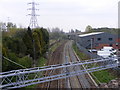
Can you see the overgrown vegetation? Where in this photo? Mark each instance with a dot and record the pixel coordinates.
(56, 37)
(81, 55)
(24, 46)
(41, 62)
(53, 48)
(104, 76)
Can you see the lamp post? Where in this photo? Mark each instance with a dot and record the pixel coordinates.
(34, 64)
(76, 41)
(91, 48)
(8, 21)
(91, 45)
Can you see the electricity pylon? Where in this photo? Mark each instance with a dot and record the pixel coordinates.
(33, 20)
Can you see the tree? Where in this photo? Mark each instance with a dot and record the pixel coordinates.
(36, 41)
(19, 45)
(28, 41)
(72, 31)
(11, 25)
(88, 28)
(3, 26)
(56, 33)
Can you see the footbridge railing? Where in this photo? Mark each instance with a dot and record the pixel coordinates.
(25, 77)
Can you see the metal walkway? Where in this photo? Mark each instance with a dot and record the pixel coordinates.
(25, 77)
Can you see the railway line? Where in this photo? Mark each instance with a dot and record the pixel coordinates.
(72, 82)
(64, 54)
(65, 70)
(55, 58)
(82, 81)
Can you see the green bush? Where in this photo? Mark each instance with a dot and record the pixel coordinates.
(25, 61)
(7, 65)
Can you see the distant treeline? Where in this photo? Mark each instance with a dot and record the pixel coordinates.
(23, 46)
(109, 30)
(115, 31)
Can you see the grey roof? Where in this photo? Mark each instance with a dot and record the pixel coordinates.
(94, 33)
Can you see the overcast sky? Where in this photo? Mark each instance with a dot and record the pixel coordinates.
(65, 14)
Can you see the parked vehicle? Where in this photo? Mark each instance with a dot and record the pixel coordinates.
(107, 52)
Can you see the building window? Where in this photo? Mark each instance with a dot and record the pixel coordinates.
(116, 44)
(99, 39)
(110, 39)
(96, 44)
(111, 45)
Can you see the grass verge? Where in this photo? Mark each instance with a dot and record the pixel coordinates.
(81, 55)
(103, 76)
(41, 62)
(53, 48)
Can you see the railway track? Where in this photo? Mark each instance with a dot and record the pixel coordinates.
(63, 54)
(89, 78)
(80, 81)
(55, 58)
(73, 82)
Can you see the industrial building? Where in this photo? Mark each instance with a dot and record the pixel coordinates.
(97, 40)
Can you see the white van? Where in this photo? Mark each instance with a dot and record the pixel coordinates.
(107, 52)
(107, 48)
(104, 54)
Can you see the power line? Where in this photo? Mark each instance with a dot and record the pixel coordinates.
(14, 62)
(33, 20)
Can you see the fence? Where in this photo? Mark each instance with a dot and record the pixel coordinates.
(84, 50)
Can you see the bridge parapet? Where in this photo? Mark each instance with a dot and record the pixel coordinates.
(25, 77)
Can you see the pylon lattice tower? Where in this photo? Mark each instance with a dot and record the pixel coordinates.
(33, 19)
